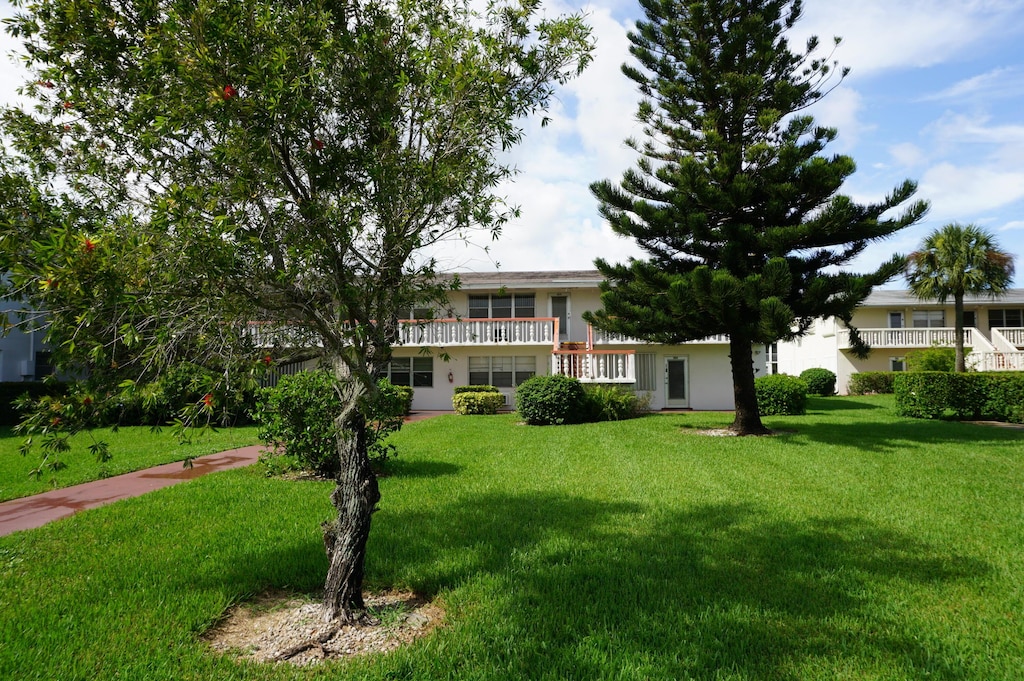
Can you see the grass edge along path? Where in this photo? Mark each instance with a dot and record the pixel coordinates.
(859, 545)
(133, 448)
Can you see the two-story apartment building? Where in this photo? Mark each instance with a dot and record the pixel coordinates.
(896, 322)
(509, 326)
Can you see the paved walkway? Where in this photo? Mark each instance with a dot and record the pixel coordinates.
(30, 512)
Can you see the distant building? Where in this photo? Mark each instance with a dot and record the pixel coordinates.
(895, 322)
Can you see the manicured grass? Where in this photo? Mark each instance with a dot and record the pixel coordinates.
(133, 448)
(858, 546)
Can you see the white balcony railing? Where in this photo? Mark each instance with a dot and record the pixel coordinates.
(917, 338)
(453, 332)
(608, 338)
(595, 366)
(1011, 337)
(996, 361)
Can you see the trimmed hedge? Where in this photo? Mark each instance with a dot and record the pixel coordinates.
(868, 382)
(780, 395)
(460, 389)
(551, 400)
(819, 381)
(481, 402)
(934, 394)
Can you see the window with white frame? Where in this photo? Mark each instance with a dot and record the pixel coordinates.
(1005, 317)
(772, 357)
(502, 306)
(646, 371)
(897, 364)
(929, 319)
(501, 372)
(417, 372)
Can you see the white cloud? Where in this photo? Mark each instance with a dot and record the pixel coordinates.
(906, 154)
(999, 83)
(964, 192)
(841, 109)
(880, 34)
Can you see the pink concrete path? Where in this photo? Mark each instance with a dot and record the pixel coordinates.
(30, 512)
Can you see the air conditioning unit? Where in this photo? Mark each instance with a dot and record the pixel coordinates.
(508, 399)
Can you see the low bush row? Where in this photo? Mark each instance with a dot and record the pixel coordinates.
(555, 400)
(934, 394)
(872, 382)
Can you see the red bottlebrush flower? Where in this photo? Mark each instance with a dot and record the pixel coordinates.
(69, 105)
(87, 400)
(55, 421)
(318, 144)
(45, 83)
(268, 360)
(208, 400)
(89, 245)
(230, 91)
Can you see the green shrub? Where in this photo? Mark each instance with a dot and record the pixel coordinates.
(934, 394)
(297, 417)
(780, 395)
(478, 402)
(613, 403)
(935, 358)
(551, 400)
(1004, 396)
(460, 389)
(819, 382)
(385, 413)
(872, 382)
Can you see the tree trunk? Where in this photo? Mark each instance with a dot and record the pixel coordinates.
(958, 324)
(355, 498)
(747, 420)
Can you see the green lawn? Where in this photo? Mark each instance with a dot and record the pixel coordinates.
(858, 546)
(133, 448)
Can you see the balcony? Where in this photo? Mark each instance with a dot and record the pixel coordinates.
(916, 338)
(595, 366)
(608, 338)
(463, 332)
(1008, 338)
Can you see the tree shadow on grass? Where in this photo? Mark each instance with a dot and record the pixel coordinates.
(890, 436)
(824, 405)
(584, 589)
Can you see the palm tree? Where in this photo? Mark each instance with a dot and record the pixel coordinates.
(956, 260)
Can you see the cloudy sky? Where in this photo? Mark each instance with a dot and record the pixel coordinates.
(935, 94)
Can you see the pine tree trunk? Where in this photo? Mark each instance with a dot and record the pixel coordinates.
(747, 420)
(355, 498)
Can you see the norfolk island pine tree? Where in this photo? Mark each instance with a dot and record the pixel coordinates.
(738, 210)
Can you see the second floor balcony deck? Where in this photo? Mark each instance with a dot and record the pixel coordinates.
(916, 338)
(457, 332)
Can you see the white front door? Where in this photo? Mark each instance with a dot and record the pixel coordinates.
(677, 382)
